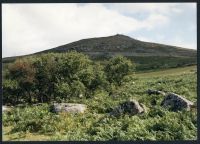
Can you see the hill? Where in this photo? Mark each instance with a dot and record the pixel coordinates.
(124, 45)
(147, 55)
(109, 92)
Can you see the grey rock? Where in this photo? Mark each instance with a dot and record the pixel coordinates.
(6, 108)
(38, 104)
(68, 107)
(156, 92)
(131, 107)
(176, 102)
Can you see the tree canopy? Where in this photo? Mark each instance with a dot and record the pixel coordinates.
(59, 76)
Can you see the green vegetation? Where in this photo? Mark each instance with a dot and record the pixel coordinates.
(117, 68)
(170, 71)
(56, 77)
(64, 77)
(162, 62)
(147, 56)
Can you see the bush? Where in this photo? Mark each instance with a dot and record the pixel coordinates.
(117, 68)
(32, 119)
(62, 90)
(78, 88)
(11, 91)
(47, 77)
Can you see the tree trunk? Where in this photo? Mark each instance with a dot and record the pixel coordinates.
(30, 98)
(17, 98)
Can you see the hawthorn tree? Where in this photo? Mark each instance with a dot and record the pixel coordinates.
(23, 72)
(46, 76)
(117, 68)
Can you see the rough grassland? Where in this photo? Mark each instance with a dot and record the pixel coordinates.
(96, 124)
(171, 71)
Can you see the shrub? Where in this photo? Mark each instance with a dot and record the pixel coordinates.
(11, 91)
(32, 119)
(117, 68)
(23, 72)
(51, 76)
(62, 90)
(78, 88)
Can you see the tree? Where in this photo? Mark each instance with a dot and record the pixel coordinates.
(78, 89)
(117, 68)
(74, 66)
(47, 76)
(62, 90)
(72, 63)
(100, 80)
(23, 72)
(11, 91)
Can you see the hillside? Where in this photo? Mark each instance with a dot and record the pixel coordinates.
(145, 54)
(68, 96)
(157, 124)
(124, 45)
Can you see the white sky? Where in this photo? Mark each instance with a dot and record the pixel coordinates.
(29, 28)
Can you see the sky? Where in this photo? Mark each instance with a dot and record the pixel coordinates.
(30, 28)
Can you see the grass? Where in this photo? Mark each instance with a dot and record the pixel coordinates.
(151, 63)
(157, 63)
(171, 71)
(22, 136)
(37, 123)
(143, 63)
